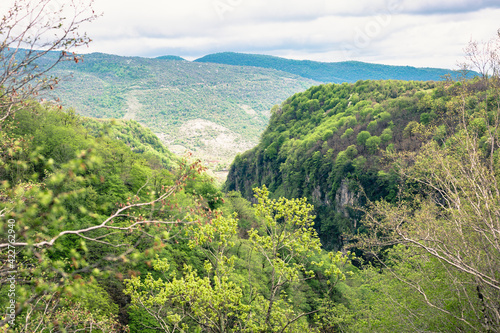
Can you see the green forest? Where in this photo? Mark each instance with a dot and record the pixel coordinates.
(109, 228)
(371, 206)
(405, 175)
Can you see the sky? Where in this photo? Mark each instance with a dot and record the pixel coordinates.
(421, 33)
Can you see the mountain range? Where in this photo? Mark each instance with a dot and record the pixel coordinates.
(335, 72)
(212, 110)
(215, 106)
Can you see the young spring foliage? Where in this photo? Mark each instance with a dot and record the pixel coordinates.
(223, 298)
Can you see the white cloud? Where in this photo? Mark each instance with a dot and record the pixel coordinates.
(404, 32)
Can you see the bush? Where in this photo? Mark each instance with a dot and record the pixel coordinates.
(362, 137)
(348, 132)
(386, 135)
(373, 143)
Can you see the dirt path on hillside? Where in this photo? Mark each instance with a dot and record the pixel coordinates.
(133, 106)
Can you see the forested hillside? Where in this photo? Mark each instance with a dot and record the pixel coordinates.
(334, 72)
(327, 141)
(103, 229)
(330, 142)
(213, 110)
(113, 234)
(108, 228)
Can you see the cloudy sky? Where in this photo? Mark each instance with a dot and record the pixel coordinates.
(422, 33)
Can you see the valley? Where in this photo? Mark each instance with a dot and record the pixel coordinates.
(365, 206)
(214, 110)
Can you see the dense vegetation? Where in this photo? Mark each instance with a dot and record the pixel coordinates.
(103, 230)
(408, 173)
(327, 141)
(335, 72)
(100, 214)
(227, 105)
(110, 237)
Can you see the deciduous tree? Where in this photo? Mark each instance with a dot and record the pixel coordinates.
(452, 210)
(285, 244)
(30, 30)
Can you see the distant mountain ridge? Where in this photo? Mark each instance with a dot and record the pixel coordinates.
(335, 72)
(170, 57)
(213, 109)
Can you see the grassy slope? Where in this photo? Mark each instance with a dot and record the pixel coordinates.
(215, 110)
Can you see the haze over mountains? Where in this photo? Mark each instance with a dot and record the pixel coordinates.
(215, 106)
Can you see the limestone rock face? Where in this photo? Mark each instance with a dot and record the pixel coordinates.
(345, 198)
(318, 196)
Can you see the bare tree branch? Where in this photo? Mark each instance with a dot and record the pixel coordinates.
(35, 37)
